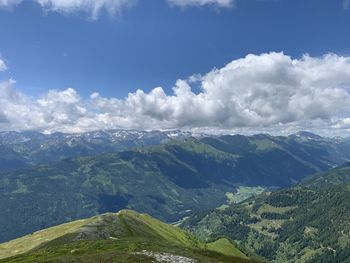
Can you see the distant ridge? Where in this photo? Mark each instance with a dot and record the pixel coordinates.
(308, 135)
(336, 176)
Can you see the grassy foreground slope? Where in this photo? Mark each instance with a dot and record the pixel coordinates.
(126, 236)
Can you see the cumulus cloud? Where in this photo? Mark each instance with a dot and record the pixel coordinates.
(266, 92)
(219, 3)
(3, 65)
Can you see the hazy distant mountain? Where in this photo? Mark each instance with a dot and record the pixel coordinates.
(21, 149)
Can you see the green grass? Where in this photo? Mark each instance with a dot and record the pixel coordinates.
(266, 208)
(29, 242)
(116, 251)
(265, 225)
(244, 192)
(265, 144)
(224, 246)
(115, 237)
(168, 232)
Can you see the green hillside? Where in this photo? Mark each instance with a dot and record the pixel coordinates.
(169, 181)
(300, 224)
(336, 176)
(125, 236)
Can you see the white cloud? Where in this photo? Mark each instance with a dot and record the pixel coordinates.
(342, 124)
(219, 3)
(3, 65)
(9, 3)
(267, 92)
(94, 7)
(91, 7)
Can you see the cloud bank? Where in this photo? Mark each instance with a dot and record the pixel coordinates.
(258, 92)
(94, 7)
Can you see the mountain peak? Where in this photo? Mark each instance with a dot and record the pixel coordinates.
(308, 135)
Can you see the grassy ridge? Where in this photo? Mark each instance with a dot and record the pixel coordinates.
(224, 246)
(121, 237)
(29, 242)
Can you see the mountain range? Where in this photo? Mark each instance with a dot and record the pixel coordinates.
(170, 180)
(273, 198)
(23, 149)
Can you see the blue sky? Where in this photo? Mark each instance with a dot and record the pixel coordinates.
(154, 43)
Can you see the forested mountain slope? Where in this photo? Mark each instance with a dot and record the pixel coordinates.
(169, 181)
(306, 223)
(23, 149)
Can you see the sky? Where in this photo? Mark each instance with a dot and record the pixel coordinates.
(274, 66)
